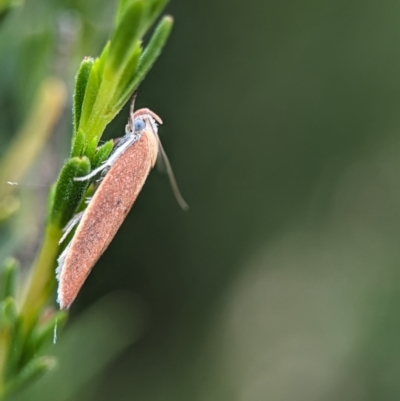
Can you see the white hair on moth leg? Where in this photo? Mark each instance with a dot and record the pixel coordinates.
(61, 260)
(124, 144)
(70, 225)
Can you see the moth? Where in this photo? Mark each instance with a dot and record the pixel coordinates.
(124, 174)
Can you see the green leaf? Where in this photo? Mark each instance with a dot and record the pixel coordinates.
(102, 59)
(122, 7)
(45, 332)
(102, 153)
(10, 341)
(149, 56)
(69, 193)
(154, 9)
(125, 37)
(92, 90)
(36, 368)
(127, 77)
(81, 81)
(8, 278)
(8, 313)
(115, 84)
(78, 144)
(91, 148)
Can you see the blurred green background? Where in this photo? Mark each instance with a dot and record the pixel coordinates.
(282, 281)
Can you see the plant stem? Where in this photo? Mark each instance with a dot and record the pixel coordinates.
(4, 341)
(42, 278)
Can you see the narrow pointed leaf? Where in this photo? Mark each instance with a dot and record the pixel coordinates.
(35, 369)
(92, 90)
(45, 332)
(125, 36)
(8, 313)
(122, 7)
(149, 56)
(154, 9)
(127, 75)
(8, 278)
(79, 144)
(91, 149)
(81, 82)
(69, 193)
(103, 59)
(102, 153)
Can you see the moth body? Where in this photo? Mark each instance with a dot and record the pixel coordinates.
(129, 165)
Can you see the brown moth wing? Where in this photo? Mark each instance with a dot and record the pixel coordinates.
(105, 214)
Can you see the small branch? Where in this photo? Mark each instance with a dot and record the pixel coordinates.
(41, 283)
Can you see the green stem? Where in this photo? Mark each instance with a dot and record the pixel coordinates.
(4, 341)
(42, 278)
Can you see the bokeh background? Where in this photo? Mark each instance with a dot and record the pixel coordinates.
(282, 281)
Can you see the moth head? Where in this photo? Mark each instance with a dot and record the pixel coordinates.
(145, 121)
(141, 120)
(139, 125)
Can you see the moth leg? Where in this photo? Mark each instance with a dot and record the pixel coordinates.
(60, 261)
(71, 224)
(120, 148)
(94, 172)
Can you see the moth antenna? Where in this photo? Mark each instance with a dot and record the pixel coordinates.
(144, 111)
(160, 164)
(131, 108)
(172, 180)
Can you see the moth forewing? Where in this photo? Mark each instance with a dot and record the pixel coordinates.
(106, 212)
